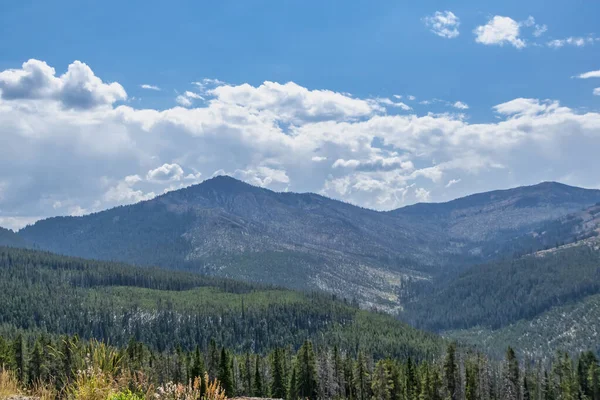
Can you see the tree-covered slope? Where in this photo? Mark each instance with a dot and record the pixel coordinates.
(574, 327)
(228, 228)
(11, 239)
(500, 293)
(43, 292)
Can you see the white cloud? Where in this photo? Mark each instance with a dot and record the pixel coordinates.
(411, 98)
(78, 88)
(452, 182)
(422, 195)
(166, 172)
(540, 30)
(572, 41)
(59, 160)
(187, 98)
(390, 103)
(444, 24)
(590, 74)
(597, 91)
(192, 95)
(460, 105)
(293, 103)
(183, 101)
(500, 31)
(150, 87)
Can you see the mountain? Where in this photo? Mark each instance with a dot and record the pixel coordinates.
(43, 293)
(11, 239)
(486, 216)
(228, 228)
(540, 302)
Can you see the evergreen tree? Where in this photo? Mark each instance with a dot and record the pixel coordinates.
(258, 390)
(36, 365)
(20, 353)
(381, 384)
(278, 389)
(471, 379)
(198, 370)
(307, 372)
(362, 384)
(248, 370)
(412, 384)
(547, 388)
(451, 372)
(292, 392)
(225, 374)
(511, 385)
(213, 359)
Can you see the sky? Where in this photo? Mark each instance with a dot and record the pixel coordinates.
(378, 103)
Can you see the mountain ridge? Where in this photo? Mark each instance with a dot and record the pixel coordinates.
(230, 228)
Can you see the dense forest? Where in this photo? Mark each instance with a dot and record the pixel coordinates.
(70, 367)
(503, 292)
(45, 293)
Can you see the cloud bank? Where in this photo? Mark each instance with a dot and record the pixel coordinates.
(68, 145)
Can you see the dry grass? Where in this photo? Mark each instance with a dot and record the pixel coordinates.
(8, 384)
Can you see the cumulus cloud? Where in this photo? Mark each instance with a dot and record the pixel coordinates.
(590, 74)
(150, 87)
(500, 31)
(293, 103)
(377, 163)
(422, 195)
(597, 91)
(443, 23)
(460, 105)
(76, 88)
(57, 160)
(166, 172)
(187, 98)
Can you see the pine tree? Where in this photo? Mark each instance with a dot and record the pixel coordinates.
(292, 392)
(547, 388)
(20, 353)
(278, 389)
(307, 372)
(198, 370)
(248, 370)
(471, 378)
(381, 384)
(258, 390)
(451, 372)
(213, 359)
(412, 385)
(225, 375)
(36, 366)
(362, 384)
(511, 385)
(338, 373)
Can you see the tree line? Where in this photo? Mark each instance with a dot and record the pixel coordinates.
(315, 373)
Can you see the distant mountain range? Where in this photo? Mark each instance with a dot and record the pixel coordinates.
(229, 228)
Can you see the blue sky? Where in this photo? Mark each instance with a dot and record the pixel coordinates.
(353, 63)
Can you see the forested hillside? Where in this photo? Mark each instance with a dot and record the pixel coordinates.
(499, 293)
(10, 238)
(573, 327)
(228, 228)
(539, 302)
(45, 293)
